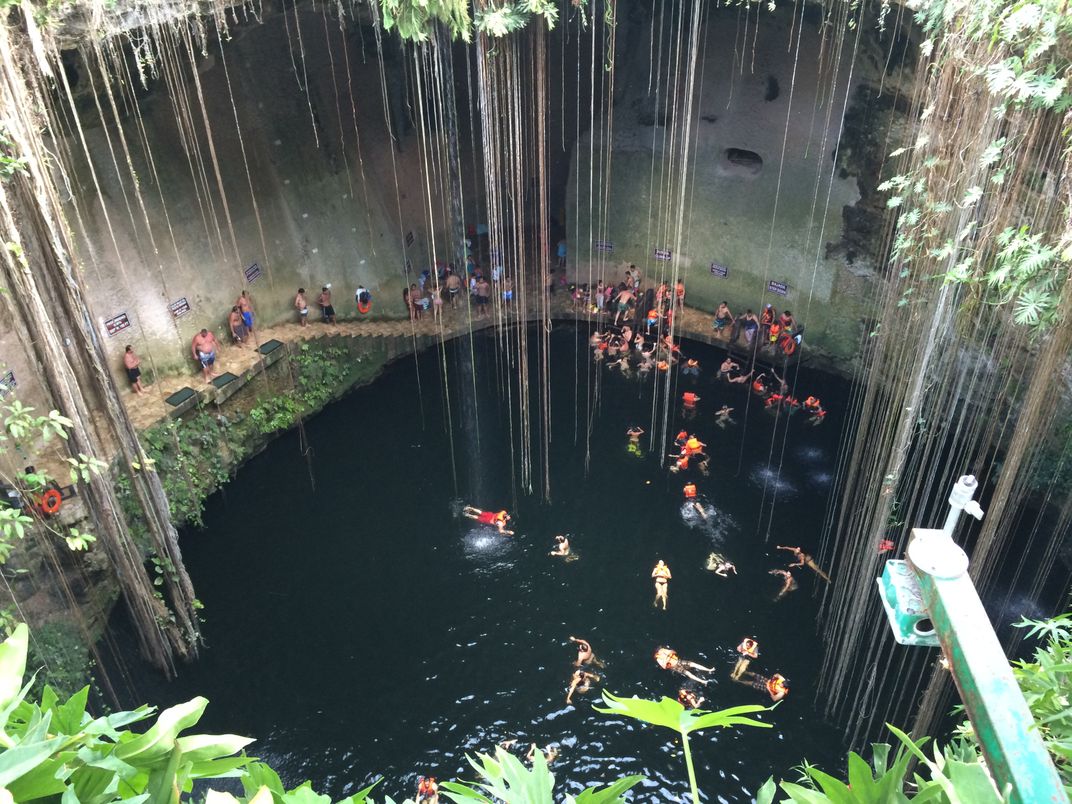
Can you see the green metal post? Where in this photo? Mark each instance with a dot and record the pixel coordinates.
(1007, 732)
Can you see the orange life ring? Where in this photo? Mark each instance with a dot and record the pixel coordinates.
(51, 502)
(364, 307)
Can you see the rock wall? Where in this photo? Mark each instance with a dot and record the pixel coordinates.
(758, 214)
(308, 123)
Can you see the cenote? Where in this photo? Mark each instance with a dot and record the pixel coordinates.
(363, 629)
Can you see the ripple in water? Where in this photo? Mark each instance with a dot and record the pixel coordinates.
(487, 549)
(770, 478)
(811, 455)
(716, 524)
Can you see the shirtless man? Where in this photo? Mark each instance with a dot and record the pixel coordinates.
(623, 300)
(723, 317)
(803, 559)
(131, 362)
(740, 378)
(204, 348)
(662, 576)
(561, 548)
(454, 287)
(581, 681)
(727, 367)
(327, 311)
(239, 331)
(668, 659)
(634, 434)
(245, 306)
(788, 586)
(302, 306)
(427, 790)
(585, 653)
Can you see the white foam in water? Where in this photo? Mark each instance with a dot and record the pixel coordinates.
(768, 477)
(487, 548)
(821, 479)
(810, 455)
(717, 525)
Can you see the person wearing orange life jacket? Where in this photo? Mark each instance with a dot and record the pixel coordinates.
(497, 519)
(693, 446)
(668, 659)
(749, 650)
(774, 332)
(690, 399)
(777, 686)
(758, 384)
(766, 318)
(787, 322)
(691, 367)
(690, 491)
(662, 576)
(689, 699)
(680, 439)
(773, 399)
(427, 790)
(651, 320)
(680, 463)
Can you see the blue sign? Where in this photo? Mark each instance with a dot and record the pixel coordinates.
(604, 245)
(663, 255)
(719, 270)
(253, 273)
(116, 324)
(179, 308)
(781, 288)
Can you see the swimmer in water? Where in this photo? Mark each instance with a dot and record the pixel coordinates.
(803, 559)
(690, 497)
(580, 681)
(720, 565)
(722, 415)
(561, 547)
(689, 699)
(704, 464)
(550, 754)
(740, 378)
(585, 655)
(777, 686)
(749, 650)
(668, 659)
(788, 586)
(427, 790)
(662, 576)
(728, 367)
(496, 518)
(634, 433)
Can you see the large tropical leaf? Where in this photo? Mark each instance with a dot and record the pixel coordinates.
(670, 714)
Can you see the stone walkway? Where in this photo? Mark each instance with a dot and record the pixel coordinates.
(150, 408)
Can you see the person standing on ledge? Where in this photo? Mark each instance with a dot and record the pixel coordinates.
(131, 362)
(245, 306)
(327, 312)
(204, 347)
(239, 331)
(562, 254)
(302, 306)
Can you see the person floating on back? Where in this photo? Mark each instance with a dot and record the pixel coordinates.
(803, 559)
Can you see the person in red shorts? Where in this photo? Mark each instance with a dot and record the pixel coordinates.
(496, 519)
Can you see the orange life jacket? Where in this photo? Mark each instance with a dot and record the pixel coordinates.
(682, 436)
(776, 686)
(692, 363)
(662, 365)
(427, 787)
(749, 648)
(690, 491)
(774, 330)
(689, 398)
(758, 386)
(811, 402)
(666, 658)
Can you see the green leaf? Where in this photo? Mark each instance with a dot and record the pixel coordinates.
(765, 794)
(13, 664)
(610, 794)
(158, 741)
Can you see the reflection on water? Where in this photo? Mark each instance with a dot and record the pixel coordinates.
(770, 479)
(714, 523)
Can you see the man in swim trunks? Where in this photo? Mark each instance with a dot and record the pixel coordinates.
(327, 311)
(584, 652)
(302, 306)
(454, 287)
(245, 306)
(723, 317)
(662, 576)
(634, 434)
(204, 348)
(623, 300)
(131, 362)
(497, 519)
(749, 650)
(561, 548)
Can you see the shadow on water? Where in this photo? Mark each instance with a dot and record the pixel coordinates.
(369, 629)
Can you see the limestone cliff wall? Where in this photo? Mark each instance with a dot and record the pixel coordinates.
(760, 215)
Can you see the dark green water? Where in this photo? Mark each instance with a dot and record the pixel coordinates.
(364, 629)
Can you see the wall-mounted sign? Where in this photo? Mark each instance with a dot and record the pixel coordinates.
(663, 255)
(604, 245)
(781, 288)
(7, 384)
(179, 308)
(253, 273)
(116, 324)
(719, 270)
(409, 239)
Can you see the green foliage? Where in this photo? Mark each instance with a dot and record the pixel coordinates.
(415, 20)
(505, 778)
(61, 657)
(275, 413)
(10, 164)
(672, 715)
